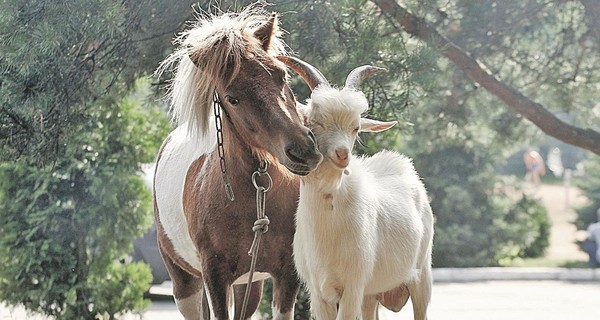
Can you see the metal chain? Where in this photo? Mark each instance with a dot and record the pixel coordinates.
(261, 225)
(217, 105)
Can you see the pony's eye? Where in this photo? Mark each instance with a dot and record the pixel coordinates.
(355, 131)
(233, 101)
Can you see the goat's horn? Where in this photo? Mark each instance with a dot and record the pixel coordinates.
(358, 75)
(309, 73)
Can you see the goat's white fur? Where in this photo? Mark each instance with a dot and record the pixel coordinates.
(362, 231)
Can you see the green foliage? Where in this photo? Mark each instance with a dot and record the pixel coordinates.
(590, 186)
(71, 199)
(301, 309)
(462, 206)
(121, 288)
(476, 225)
(526, 228)
(64, 226)
(58, 58)
(338, 36)
(507, 37)
(49, 62)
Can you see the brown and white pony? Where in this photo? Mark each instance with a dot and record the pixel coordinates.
(203, 236)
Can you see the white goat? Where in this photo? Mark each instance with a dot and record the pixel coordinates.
(364, 226)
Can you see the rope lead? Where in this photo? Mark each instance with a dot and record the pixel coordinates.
(261, 226)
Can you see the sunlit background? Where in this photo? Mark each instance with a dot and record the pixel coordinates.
(81, 119)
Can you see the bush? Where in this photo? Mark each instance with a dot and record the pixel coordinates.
(477, 226)
(64, 226)
(532, 223)
(590, 186)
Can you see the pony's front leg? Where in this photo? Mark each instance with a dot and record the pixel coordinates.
(350, 304)
(285, 290)
(188, 291)
(219, 293)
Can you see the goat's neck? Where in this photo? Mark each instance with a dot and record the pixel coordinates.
(326, 178)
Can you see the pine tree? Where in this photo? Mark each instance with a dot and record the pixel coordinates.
(71, 199)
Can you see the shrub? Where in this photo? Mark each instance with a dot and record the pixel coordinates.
(590, 186)
(476, 225)
(64, 226)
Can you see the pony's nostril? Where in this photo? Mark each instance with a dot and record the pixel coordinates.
(294, 155)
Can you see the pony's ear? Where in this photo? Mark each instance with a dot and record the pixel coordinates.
(195, 57)
(370, 125)
(265, 32)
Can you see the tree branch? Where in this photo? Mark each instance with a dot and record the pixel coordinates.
(584, 138)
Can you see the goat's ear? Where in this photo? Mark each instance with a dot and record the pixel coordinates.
(265, 32)
(370, 125)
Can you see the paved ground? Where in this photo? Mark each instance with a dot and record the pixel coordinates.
(532, 300)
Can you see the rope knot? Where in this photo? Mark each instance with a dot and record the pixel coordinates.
(261, 225)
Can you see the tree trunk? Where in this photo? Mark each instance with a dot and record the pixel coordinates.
(584, 138)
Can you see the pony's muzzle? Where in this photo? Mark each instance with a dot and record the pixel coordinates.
(303, 158)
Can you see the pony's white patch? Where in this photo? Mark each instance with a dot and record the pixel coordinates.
(243, 279)
(277, 315)
(189, 307)
(171, 170)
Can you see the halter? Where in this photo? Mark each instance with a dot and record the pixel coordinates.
(261, 225)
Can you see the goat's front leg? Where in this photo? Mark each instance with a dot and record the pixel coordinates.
(322, 309)
(369, 308)
(350, 304)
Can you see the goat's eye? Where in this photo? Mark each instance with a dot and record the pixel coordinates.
(355, 131)
(233, 101)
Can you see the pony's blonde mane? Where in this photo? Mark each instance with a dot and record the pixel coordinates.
(213, 42)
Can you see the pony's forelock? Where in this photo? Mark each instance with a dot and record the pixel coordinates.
(213, 41)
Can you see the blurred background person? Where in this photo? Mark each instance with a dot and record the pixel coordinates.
(535, 166)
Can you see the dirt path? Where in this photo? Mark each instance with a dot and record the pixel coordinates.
(560, 204)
